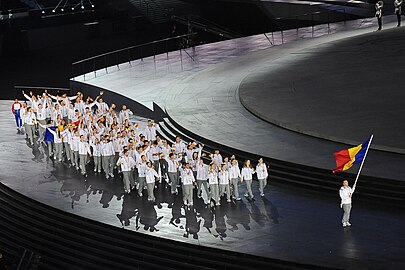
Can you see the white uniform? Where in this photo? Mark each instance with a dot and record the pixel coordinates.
(224, 178)
(214, 189)
(127, 164)
(246, 176)
(187, 178)
(262, 174)
(346, 203)
(124, 115)
(150, 182)
(84, 150)
(234, 174)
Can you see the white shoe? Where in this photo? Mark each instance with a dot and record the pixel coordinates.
(348, 224)
(112, 175)
(344, 224)
(95, 170)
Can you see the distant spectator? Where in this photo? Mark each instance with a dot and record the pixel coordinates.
(378, 13)
(398, 10)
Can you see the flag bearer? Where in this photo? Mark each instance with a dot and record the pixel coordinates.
(346, 193)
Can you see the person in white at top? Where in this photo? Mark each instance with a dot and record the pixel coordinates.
(346, 193)
(150, 131)
(34, 101)
(127, 164)
(101, 105)
(125, 113)
(180, 147)
(190, 150)
(247, 173)
(64, 98)
(79, 104)
(234, 174)
(262, 174)
(64, 108)
(71, 112)
(217, 159)
(151, 174)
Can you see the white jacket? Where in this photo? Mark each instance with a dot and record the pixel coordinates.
(261, 170)
(345, 195)
(107, 149)
(224, 177)
(213, 178)
(150, 175)
(234, 172)
(202, 172)
(126, 163)
(247, 173)
(187, 176)
(84, 148)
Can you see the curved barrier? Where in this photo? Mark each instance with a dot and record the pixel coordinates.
(67, 241)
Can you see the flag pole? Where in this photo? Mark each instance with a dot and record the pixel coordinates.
(365, 155)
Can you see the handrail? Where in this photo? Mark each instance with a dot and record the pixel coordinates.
(128, 54)
(132, 47)
(311, 13)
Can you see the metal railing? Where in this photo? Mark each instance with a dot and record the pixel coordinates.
(154, 48)
(129, 54)
(305, 20)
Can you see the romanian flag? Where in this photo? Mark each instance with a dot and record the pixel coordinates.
(77, 123)
(346, 158)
